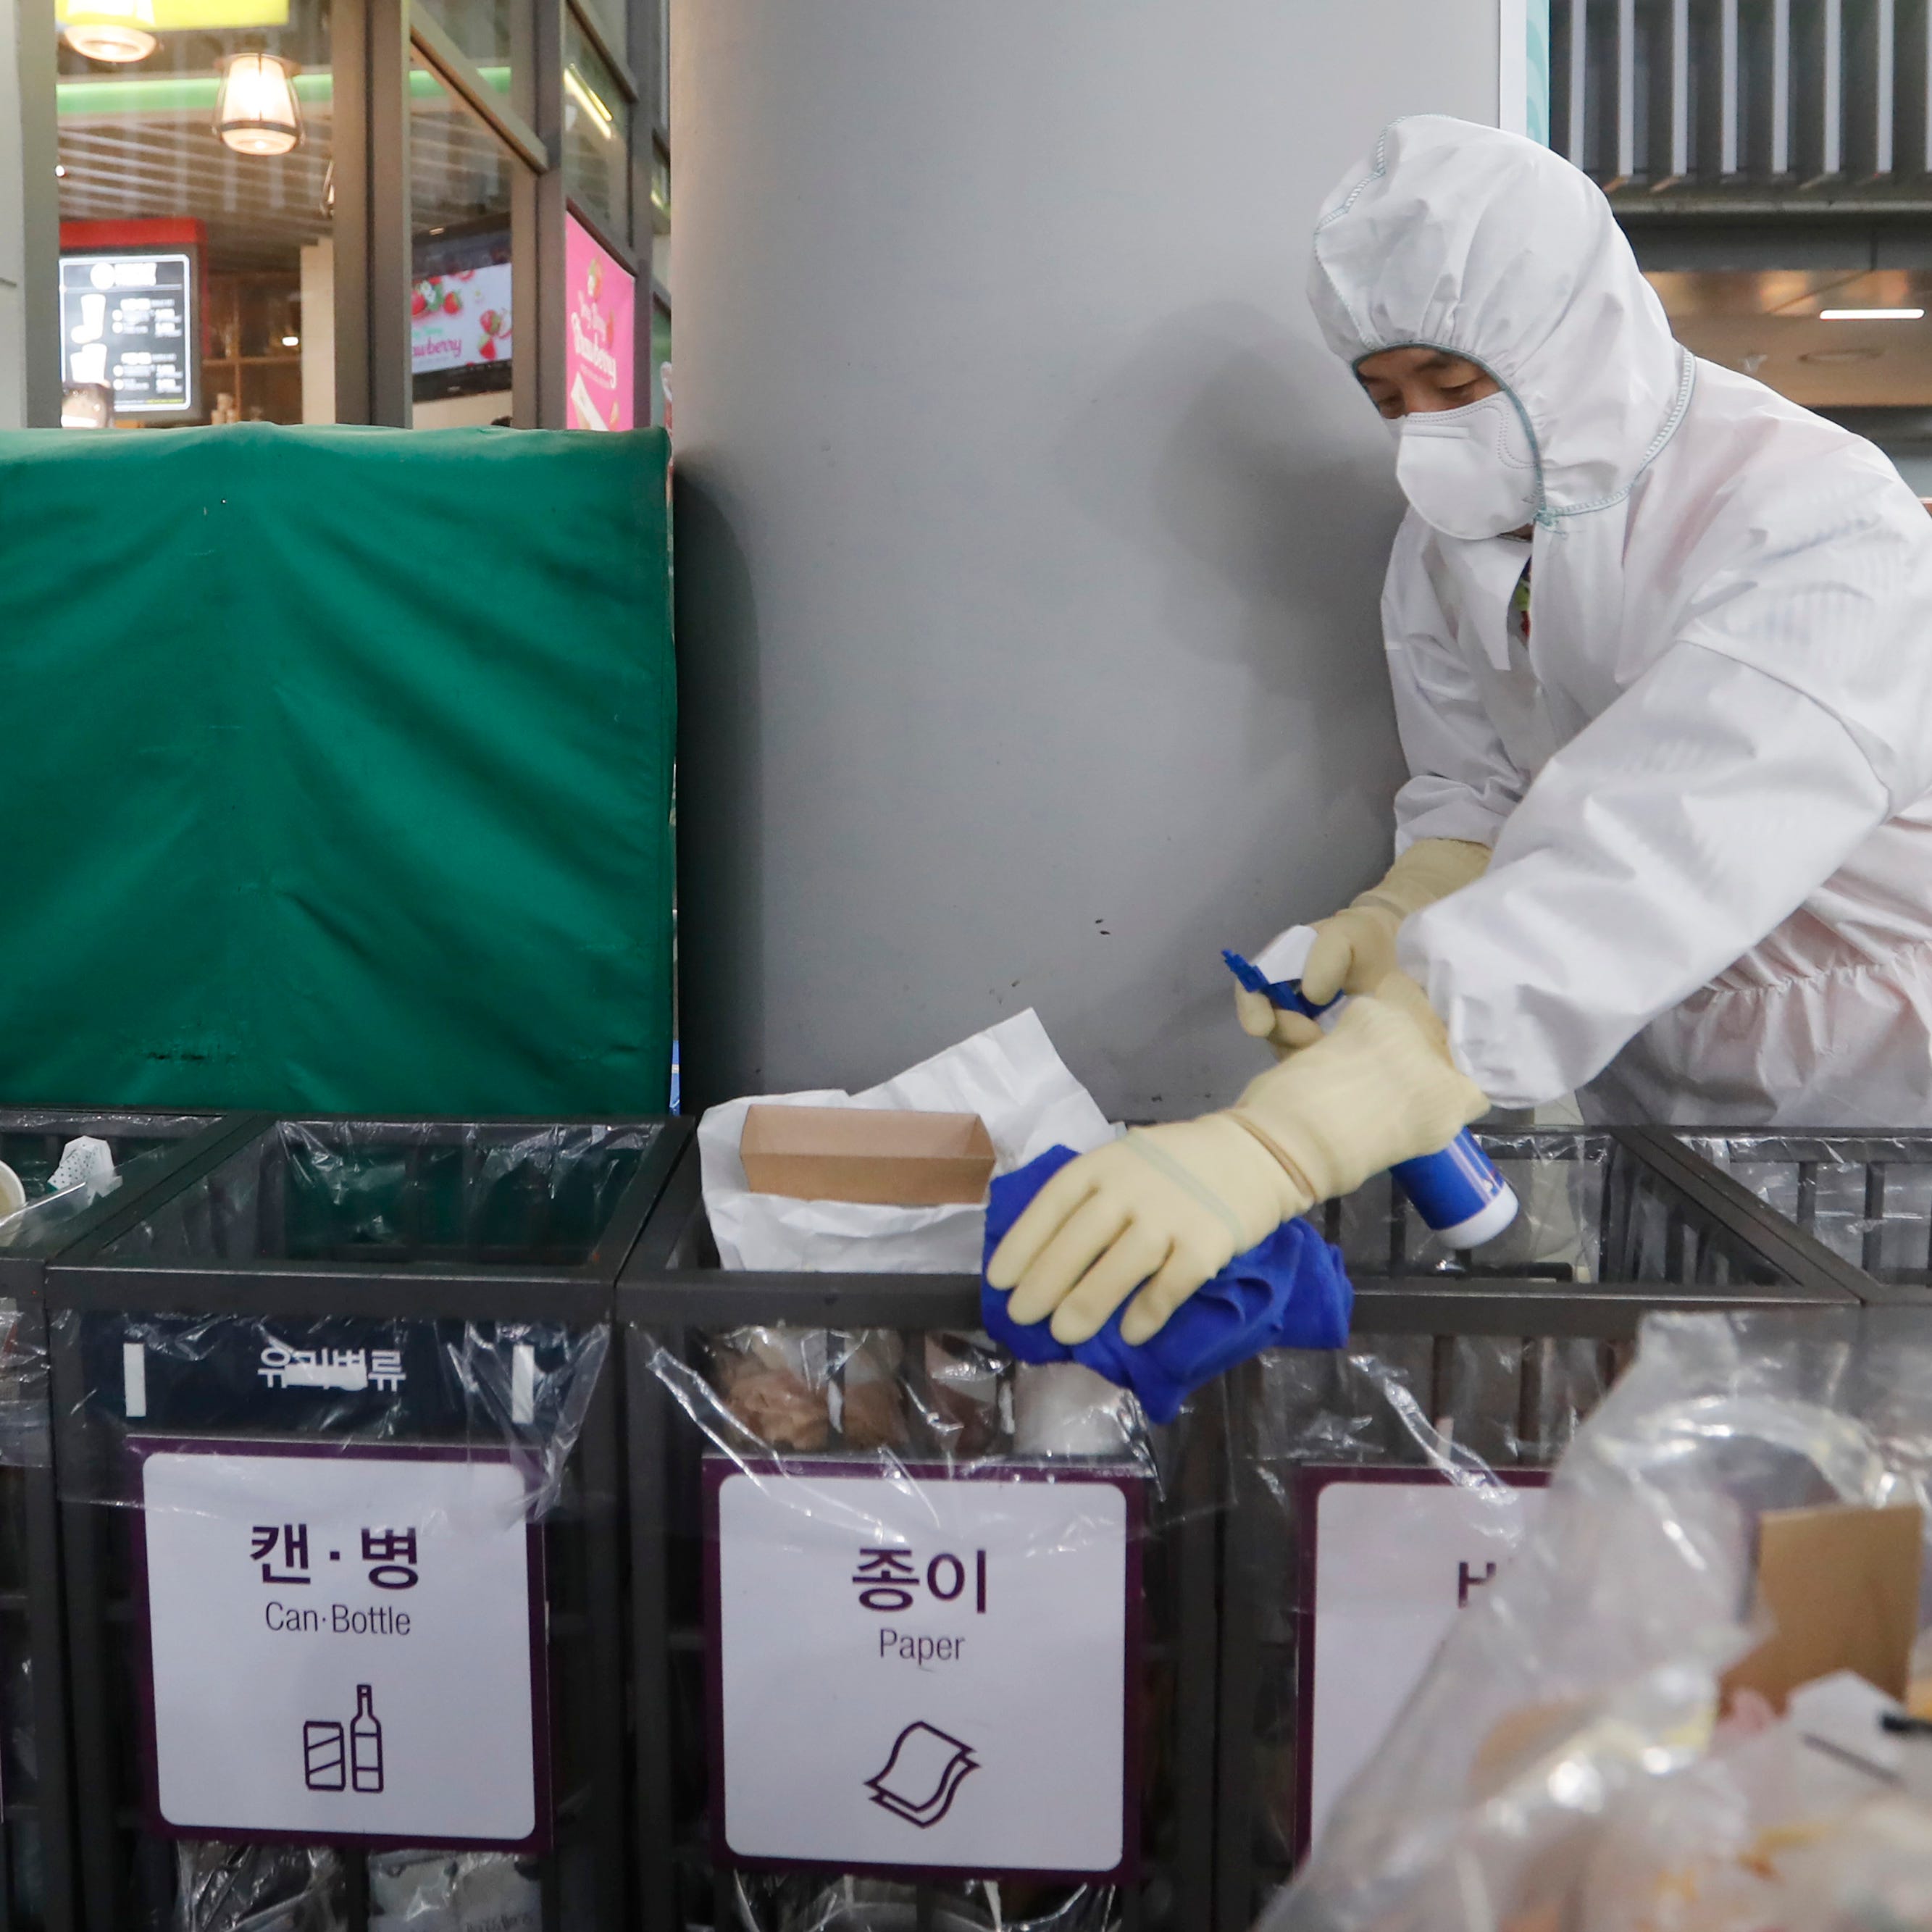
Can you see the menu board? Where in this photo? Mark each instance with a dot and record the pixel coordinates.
(128, 322)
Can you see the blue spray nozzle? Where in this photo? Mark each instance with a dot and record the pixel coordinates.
(1286, 994)
(1457, 1192)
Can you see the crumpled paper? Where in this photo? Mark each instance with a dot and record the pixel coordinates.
(1009, 1075)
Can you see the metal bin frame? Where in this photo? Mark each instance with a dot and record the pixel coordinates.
(86, 1280)
(30, 1593)
(1711, 1222)
(673, 1286)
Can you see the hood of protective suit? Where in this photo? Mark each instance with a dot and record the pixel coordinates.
(1464, 239)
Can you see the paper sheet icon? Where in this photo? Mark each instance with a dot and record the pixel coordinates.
(922, 1775)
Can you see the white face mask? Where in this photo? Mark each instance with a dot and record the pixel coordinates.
(1469, 473)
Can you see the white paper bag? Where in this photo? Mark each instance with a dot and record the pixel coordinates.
(1009, 1075)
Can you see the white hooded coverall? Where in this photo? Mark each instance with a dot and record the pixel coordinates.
(1706, 781)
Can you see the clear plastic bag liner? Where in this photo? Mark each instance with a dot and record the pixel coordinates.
(385, 1192)
(32, 1139)
(518, 1390)
(1465, 1406)
(1784, 1822)
(784, 1405)
(26, 1441)
(23, 1756)
(225, 1888)
(1588, 1668)
(1867, 1197)
(453, 1892)
(1510, 1401)
(1590, 1214)
(800, 1904)
(888, 1398)
(1559, 1233)
(32, 1142)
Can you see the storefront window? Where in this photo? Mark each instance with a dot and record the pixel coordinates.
(462, 343)
(596, 137)
(199, 163)
(609, 16)
(486, 30)
(195, 284)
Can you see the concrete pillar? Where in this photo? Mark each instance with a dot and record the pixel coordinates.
(29, 218)
(1029, 541)
(12, 259)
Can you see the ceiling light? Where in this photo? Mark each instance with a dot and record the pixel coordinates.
(60, 172)
(116, 31)
(291, 342)
(255, 112)
(1870, 314)
(587, 96)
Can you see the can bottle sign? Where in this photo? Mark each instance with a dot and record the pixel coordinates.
(344, 1643)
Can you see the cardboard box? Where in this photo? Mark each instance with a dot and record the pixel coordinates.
(1841, 1584)
(872, 1154)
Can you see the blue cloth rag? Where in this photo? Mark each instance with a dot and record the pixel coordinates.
(1289, 1292)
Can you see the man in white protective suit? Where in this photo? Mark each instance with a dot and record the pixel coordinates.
(1661, 648)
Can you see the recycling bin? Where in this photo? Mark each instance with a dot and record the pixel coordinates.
(921, 1638)
(37, 1883)
(340, 1497)
(1352, 1543)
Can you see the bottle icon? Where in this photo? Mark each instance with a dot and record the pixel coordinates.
(365, 1743)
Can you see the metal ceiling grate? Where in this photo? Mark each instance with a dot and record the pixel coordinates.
(1824, 100)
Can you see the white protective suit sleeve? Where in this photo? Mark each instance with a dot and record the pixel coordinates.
(1464, 785)
(1687, 821)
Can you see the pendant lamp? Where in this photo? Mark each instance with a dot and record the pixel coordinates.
(118, 30)
(255, 111)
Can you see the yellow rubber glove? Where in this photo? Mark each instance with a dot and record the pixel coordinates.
(1167, 1207)
(1354, 949)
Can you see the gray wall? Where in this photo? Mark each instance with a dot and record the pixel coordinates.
(1028, 540)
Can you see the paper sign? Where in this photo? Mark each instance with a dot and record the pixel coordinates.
(1389, 1557)
(918, 1672)
(344, 1645)
(600, 305)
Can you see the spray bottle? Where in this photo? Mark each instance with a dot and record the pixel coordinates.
(1458, 1192)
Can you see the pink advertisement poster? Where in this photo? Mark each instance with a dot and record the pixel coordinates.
(600, 299)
